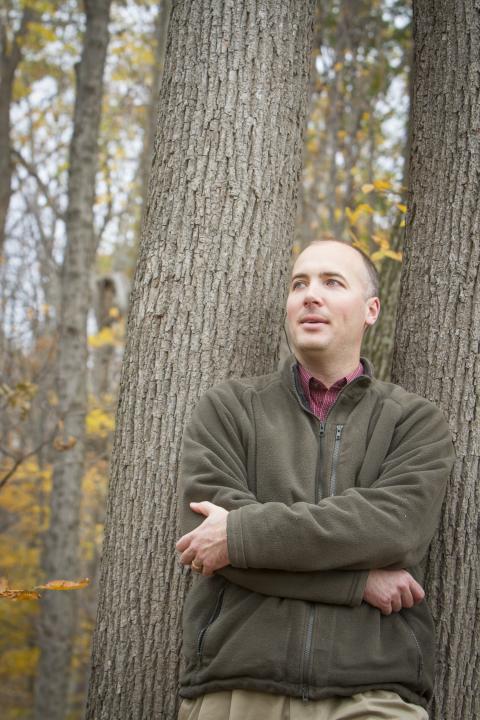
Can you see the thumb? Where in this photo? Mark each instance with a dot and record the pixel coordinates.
(204, 508)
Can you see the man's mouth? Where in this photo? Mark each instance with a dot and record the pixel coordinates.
(313, 320)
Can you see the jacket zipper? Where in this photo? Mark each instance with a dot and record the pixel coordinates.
(211, 620)
(333, 477)
(333, 483)
(319, 462)
(306, 653)
(336, 452)
(311, 613)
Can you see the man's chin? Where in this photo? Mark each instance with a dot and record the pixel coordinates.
(311, 349)
(313, 346)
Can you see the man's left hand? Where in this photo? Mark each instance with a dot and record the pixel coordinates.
(206, 546)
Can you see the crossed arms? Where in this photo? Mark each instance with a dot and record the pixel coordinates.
(363, 538)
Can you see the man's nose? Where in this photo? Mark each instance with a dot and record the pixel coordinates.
(314, 295)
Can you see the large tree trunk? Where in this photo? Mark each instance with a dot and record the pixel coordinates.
(58, 616)
(438, 322)
(207, 301)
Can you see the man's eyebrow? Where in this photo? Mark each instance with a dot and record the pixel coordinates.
(328, 273)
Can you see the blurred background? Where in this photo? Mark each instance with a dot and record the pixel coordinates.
(353, 188)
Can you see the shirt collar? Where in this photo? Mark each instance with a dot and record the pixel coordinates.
(306, 377)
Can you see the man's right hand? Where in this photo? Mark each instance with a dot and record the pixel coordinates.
(392, 590)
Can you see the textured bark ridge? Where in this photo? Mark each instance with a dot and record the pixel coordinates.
(438, 323)
(207, 302)
(58, 617)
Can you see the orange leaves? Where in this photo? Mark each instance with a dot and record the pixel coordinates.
(64, 584)
(63, 445)
(10, 594)
(32, 594)
(20, 595)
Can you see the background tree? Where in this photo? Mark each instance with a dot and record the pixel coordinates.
(58, 616)
(10, 55)
(437, 338)
(207, 302)
(42, 110)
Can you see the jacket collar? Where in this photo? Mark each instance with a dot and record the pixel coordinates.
(350, 394)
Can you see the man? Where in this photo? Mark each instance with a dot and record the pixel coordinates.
(319, 488)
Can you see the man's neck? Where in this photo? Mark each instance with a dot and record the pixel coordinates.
(328, 370)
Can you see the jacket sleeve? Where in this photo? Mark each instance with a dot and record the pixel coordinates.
(213, 466)
(334, 587)
(390, 523)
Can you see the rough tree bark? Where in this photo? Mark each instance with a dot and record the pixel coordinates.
(207, 302)
(58, 615)
(437, 339)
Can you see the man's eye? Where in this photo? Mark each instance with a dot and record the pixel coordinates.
(297, 283)
(332, 280)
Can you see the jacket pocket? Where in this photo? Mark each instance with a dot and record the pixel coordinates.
(247, 636)
(198, 610)
(417, 645)
(368, 647)
(204, 630)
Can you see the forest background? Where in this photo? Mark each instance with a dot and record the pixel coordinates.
(353, 187)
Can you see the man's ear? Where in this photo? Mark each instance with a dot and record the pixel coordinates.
(373, 305)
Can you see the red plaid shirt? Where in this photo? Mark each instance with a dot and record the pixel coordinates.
(320, 398)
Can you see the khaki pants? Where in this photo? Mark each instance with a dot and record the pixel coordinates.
(252, 705)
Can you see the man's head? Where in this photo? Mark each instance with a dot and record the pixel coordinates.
(333, 298)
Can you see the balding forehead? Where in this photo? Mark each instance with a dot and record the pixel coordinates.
(335, 257)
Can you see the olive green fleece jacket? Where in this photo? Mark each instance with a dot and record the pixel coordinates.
(312, 507)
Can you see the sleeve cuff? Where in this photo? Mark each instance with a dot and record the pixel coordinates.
(358, 587)
(235, 544)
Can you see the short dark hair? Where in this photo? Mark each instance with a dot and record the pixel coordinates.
(372, 272)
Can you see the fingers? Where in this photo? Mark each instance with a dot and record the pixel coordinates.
(187, 557)
(410, 592)
(386, 608)
(397, 602)
(204, 508)
(392, 590)
(418, 593)
(407, 598)
(184, 542)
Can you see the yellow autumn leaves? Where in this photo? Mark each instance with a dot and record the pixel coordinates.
(380, 238)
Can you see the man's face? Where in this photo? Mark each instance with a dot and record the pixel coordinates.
(327, 306)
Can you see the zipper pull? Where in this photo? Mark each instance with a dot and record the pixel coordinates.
(305, 694)
(322, 429)
(338, 432)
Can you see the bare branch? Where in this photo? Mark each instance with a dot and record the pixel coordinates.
(52, 204)
(22, 459)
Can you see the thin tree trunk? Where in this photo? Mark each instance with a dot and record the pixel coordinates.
(161, 28)
(437, 339)
(10, 58)
(207, 302)
(58, 616)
